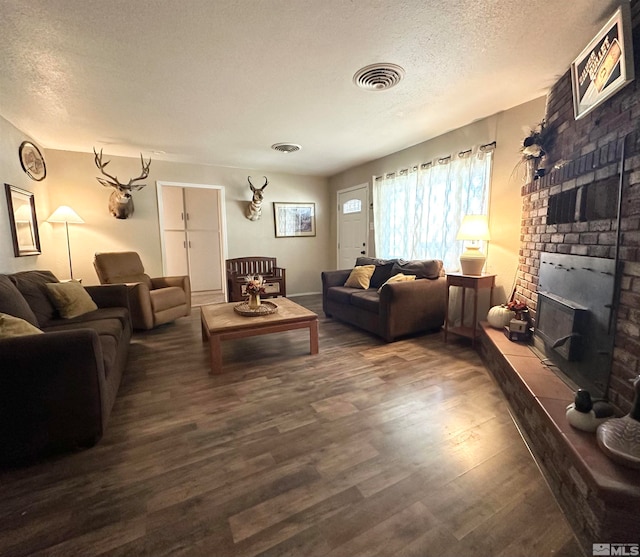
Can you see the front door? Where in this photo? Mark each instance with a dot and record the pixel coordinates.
(353, 225)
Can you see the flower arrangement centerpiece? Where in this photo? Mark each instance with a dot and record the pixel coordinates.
(255, 287)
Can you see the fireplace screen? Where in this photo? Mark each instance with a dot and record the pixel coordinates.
(575, 318)
(562, 325)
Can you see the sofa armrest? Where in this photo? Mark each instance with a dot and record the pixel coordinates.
(413, 305)
(329, 279)
(52, 389)
(109, 295)
(164, 282)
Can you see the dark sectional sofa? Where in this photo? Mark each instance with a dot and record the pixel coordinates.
(57, 388)
(399, 309)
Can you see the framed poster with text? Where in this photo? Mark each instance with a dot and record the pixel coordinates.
(605, 65)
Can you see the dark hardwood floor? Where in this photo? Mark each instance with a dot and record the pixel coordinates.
(366, 449)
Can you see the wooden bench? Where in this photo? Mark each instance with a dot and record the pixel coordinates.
(240, 268)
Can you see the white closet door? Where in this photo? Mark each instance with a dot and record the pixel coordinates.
(172, 208)
(175, 251)
(204, 260)
(202, 206)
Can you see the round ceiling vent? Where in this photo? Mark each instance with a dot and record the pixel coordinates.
(378, 77)
(286, 147)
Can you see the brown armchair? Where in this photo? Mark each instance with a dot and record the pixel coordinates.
(241, 267)
(152, 301)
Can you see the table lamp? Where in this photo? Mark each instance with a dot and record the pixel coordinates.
(67, 215)
(473, 228)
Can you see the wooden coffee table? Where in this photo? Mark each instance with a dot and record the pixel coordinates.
(221, 322)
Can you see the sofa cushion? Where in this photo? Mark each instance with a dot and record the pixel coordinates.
(427, 268)
(70, 299)
(369, 300)
(31, 286)
(382, 271)
(360, 276)
(11, 326)
(109, 327)
(122, 314)
(341, 294)
(166, 298)
(13, 303)
(398, 278)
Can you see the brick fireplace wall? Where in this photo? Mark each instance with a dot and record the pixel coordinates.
(586, 153)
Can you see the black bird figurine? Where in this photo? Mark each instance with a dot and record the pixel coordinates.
(587, 415)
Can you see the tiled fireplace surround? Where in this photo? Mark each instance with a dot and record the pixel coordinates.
(601, 499)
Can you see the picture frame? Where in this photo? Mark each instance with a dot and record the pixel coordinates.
(605, 65)
(23, 221)
(294, 219)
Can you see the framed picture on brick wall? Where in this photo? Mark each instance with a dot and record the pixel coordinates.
(605, 65)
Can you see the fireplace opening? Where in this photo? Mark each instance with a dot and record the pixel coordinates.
(575, 319)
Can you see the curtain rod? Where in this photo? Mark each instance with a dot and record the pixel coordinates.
(485, 148)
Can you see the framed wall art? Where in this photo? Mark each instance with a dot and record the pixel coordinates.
(23, 221)
(605, 65)
(294, 219)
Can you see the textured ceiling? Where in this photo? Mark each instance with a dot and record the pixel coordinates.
(219, 81)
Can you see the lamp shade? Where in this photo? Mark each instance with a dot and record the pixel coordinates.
(65, 214)
(474, 227)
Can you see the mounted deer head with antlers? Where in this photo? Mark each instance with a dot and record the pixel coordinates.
(254, 209)
(120, 200)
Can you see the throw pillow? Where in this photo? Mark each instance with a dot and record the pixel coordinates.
(70, 299)
(11, 327)
(427, 268)
(399, 278)
(360, 276)
(382, 272)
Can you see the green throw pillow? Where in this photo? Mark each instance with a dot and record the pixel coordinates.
(70, 299)
(11, 326)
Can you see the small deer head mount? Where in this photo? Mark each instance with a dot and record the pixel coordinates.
(254, 209)
(120, 200)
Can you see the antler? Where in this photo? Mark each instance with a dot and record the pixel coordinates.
(114, 182)
(253, 188)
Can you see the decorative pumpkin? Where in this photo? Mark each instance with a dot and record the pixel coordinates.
(500, 316)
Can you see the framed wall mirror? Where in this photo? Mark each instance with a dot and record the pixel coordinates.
(23, 221)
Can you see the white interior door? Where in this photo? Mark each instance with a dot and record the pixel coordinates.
(175, 253)
(204, 238)
(193, 233)
(172, 208)
(353, 225)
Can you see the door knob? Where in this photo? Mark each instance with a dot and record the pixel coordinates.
(362, 252)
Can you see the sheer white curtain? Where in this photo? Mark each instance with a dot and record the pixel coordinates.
(417, 212)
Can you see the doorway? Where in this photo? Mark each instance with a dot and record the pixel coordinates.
(193, 237)
(353, 225)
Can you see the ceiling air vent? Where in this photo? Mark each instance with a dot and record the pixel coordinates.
(286, 147)
(378, 77)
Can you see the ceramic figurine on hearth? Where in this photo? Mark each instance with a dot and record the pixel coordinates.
(620, 438)
(587, 415)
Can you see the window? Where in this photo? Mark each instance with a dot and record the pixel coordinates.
(352, 206)
(417, 213)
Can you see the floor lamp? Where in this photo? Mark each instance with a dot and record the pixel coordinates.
(67, 215)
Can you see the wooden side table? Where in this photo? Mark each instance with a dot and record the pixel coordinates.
(475, 283)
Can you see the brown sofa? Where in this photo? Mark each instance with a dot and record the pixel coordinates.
(152, 301)
(57, 388)
(400, 309)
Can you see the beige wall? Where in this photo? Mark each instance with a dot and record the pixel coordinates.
(71, 180)
(12, 173)
(507, 129)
